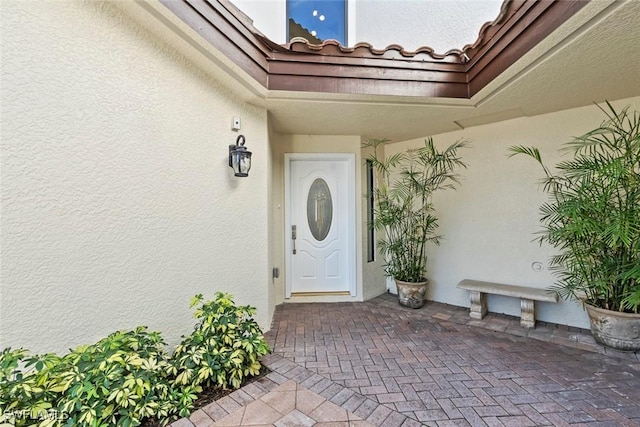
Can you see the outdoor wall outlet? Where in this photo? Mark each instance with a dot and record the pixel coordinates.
(236, 123)
(537, 266)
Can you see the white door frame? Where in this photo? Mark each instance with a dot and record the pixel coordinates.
(351, 191)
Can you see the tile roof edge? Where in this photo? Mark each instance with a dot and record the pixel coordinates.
(334, 47)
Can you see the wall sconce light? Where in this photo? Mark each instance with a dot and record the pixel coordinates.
(239, 157)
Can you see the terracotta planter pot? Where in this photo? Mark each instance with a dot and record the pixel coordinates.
(614, 329)
(411, 294)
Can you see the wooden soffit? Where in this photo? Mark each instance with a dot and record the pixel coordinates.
(362, 69)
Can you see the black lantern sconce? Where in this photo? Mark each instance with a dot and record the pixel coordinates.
(240, 157)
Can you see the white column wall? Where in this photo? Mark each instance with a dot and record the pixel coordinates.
(489, 222)
(117, 201)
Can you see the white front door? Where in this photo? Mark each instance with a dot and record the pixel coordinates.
(320, 223)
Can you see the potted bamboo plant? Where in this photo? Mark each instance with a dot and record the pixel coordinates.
(593, 218)
(404, 211)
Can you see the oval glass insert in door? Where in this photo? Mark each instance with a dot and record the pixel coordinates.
(319, 209)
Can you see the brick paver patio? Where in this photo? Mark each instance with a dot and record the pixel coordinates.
(376, 363)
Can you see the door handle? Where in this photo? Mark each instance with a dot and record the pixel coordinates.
(293, 237)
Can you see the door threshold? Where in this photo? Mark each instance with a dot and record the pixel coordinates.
(320, 294)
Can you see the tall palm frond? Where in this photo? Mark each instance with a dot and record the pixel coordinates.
(593, 215)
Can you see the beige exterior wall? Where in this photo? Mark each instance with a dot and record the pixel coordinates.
(489, 222)
(118, 205)
(117, 202)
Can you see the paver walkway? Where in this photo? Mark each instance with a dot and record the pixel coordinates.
(376, 363)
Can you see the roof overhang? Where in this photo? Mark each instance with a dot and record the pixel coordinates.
(513, 70)
(362, 70)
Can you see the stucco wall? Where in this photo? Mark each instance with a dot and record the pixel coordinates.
(441, 25)
(117, 202)
(489, 222)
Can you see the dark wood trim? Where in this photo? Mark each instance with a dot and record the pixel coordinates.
(342, 85)
(350, 71)
(526, 28)
(283, 58)
(363, 70)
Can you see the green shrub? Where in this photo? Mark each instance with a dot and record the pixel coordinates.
(28, 386)
(223, 348)
(127, 376)
(120, 380)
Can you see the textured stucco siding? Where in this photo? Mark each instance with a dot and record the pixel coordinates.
(441, 25)
(489, 222)
(117, 202)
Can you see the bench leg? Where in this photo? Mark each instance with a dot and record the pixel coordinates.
(478, 306)
(527, 313)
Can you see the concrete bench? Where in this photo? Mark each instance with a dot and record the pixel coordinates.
(527, 295)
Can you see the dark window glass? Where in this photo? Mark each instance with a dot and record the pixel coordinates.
(371, 247)
(317, 20)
